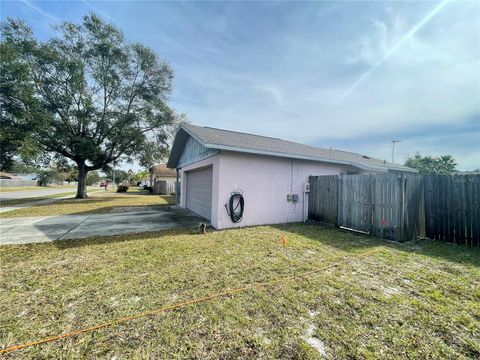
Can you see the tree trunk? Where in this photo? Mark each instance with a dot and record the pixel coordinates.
(82, 182)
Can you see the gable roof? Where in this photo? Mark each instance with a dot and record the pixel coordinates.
(4, 175)
(263, 145)
(162, 170)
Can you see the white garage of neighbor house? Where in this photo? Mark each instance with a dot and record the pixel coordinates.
(270, 174)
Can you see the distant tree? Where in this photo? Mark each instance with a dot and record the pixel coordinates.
(50, 176)
(428, 165)
(158, 152)
(120, 175)
(96, 98)
(22, 168)
(62, 164)
(93, 177)
(141, 176)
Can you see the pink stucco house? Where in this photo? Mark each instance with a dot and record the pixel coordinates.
(271, 174)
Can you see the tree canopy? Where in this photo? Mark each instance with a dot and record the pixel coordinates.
(17, 99)
(119, 176)
(428, 165)
(87, 94)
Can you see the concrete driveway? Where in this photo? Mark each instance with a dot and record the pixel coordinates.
(25, 230)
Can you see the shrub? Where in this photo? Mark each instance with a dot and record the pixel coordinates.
(122, 188)
(46, 177)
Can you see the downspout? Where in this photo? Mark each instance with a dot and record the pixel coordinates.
(176, 189)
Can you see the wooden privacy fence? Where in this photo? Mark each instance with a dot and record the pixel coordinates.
(162, 187)
(452, 208)
(17, 182)
(21, 183)
(400, 207)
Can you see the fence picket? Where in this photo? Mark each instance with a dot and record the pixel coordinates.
(399, 207)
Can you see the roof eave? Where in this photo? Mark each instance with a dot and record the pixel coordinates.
(175, 153)
(172, 163)
(292, 156)
(402, 169)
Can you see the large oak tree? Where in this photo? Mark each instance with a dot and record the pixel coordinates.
(96, 98)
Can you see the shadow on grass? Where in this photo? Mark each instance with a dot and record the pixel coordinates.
(350, 241)
(109, 209)
(93, 200)
(103, 240)
(330, 237)
(12, 202)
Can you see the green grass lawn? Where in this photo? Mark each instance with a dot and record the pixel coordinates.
(414, 300)
(10, 202)
(98, 202)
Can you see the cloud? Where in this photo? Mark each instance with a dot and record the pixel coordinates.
(279, 69)
(391, 50)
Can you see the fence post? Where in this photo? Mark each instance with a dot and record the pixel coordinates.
(421, 210)
(371, 208)
(339, 199)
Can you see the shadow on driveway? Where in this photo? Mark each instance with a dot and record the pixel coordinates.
(135, 220)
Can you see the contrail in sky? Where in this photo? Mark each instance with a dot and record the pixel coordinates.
(394, 48)
(40, 11)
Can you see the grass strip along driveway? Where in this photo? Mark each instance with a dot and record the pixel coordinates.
(419, 299)
(22, 201)
(99, 202)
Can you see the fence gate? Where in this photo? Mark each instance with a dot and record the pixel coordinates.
(386, 206)
(323, 198)
(355, 203)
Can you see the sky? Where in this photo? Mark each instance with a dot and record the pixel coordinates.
(350, 75)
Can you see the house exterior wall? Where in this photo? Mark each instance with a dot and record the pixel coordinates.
(265, 182)
(193, 152)
(164, 178)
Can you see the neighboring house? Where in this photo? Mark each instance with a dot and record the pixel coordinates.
(214, 163)
(474, 172)
(160, 174)
(4, 175)
(31, 176)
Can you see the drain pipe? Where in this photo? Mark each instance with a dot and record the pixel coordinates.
(176, 188)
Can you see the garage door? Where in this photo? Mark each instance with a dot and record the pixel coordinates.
(199, 191)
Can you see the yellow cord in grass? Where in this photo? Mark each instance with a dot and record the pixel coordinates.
(182, 304)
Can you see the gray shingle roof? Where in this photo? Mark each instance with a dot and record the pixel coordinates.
(162, 170)
(250, 143)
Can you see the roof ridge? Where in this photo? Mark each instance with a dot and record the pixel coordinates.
(302, 149)
(236, 132)
(274, 138)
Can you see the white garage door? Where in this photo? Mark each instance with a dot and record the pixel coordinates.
(199, 192)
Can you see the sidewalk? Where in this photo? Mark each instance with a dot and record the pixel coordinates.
(39, 202)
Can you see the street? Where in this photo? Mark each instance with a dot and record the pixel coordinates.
(37, 193)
